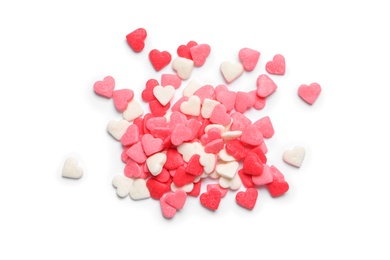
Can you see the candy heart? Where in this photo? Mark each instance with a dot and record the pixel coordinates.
(231, 71)
(208, 107)
(264, 178)
(233, 183)
(122, 185)
(231, 135)
(151, 145)
(138, 190)
(131, 136)
(157, 189)
(220, 116)
(265, 126)
(171, 79)
(211, 199)
(246, 179)
(295, 156)
(157, 109)
(194, 167)
(191, 87)
(208, 161)
(226, 97)
(174, 159)
(252, 164)
(121, 98)
(105, 87)
(309, 93)
(132, 169)
(260, 102)
(71, 169)
(156, 163)
(136, 38)
(243, 101)
(133, 110)
(184, 50)
(159, 59)
(252, 135)
(147, 94)
(277, 66)
(236, 149)
(167, 210)
(183, 67)
(164, 94)
(117, 128)
(182, 177)
(248, 58)
(265, 85)
(248, 198)
(224, 156)
(187, 150)
(180, 134)
(240, 121)
(227, 169)
(136, 153)
(277, 187)
(191, 107)
(217, 186)
(176, 199)
(206, 91)
(199, 53)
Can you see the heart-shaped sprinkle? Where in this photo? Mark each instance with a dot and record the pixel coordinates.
(248, 198)
(264, 178)
(138, 190)
(105, 87)
(136, 153)
(231, 71)
(156, 163)
(123, 185)
(227, 169)
(252, 164)
(167, 210)
(294, 156)
(191, 87)
(121, 98)
(211, 199)
(220, 116)
(136, 39)
(184, 50)
(157, 189)
(199, 53)
(233, 183)
(182, 177)
(265, 86)
(176, 199)
(117, 128)
(164, 94)
(180, 134)
(309, 93)
(171, 79)
(72, 169)
(131, 136)
(133, 110)
(191, 107)
(151, 145)
(277, 66)
(159, 59)
(248, 58)
(183, 67)
(243, 101)
(147, 94)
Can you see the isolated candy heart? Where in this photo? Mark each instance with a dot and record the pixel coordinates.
(295, 156)
(136, 38)
(248, 198)
(159, 59)
(277, 66)
(105, 87)
(309, 93)
(71, 169)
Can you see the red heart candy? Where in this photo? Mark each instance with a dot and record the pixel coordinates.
(147, 94)
(252, 164)
(157, 109)
(174, 159)
(194, 167)
(246, 179)
(248, 198)
(236, 149)
(105, 87)
(309, 93)
(157, 189)
(121, 98)
(211, 199)
(277, 66)
(199, 53)
(182, 178)
(136, 38)
(184, 50)
(159, 59)
(196, 189)
(277, 187)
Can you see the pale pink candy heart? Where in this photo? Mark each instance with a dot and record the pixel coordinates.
(249, 58)
(208, 107)
(226, 97)
(231, 71)
(121, 98)
(164, 94)
(199, 53)
(136, 153)
(122, 185)
(240, 121)
(133, 110)
(294, 156)
(117, 128)
(309, 93)
(187, 187)
(156, 162)
(208, 161)
(264, 178)
(220, 116)
(251, 135)
(180, 134)
(151, 145)
(191, 106)
(176, 199)
(183, 67)
(265, 126)
(227, 169)
(230, 135)
(265, 86)
(232, 183)
(131, 136)
(105, 87)
(277, 66)
(206, 91)
(71, 169)
(171, 79)
(167, 210)
(139, 190)
(191, 87)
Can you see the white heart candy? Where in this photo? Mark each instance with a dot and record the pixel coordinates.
(227, 169)
(71, 169)
(224, 156)
(164, 94)
(122, 185)
(230, 135)
(118, 128)
(231, 71)
(191, 88)
(156, 162)
(187, 187)
(139, 190)
(187, 150)
(133, 110)
(295, 156)
(191, 106)
(233, 183)
(183, 67)
(208, 161)
(208, 107)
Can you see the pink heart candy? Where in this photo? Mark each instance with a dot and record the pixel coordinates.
(105, 87)
(265, 86)
(277, 66)
(248, 58)
(121, 98)
(309, 93)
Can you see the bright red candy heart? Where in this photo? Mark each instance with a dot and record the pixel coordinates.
(194, 167)
(147, 94)
(252, 164)
(277, 66)
(157, 109)
(156, 188)
(246, 179)
(277, 187)
(159, 59)
(211, 199)
(309, 93)
(248, 198)
(136, 39)
(184, 50)
(182, 178)
(174, 159)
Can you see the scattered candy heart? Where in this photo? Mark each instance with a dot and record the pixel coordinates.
(295, 156)
(249, 58)
(277, 66)
(72, 169)
(309, 93)
(136, 38)
(248, 198)
(159, 59)
(105, 87)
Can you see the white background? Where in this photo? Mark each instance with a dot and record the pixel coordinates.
(51, 54)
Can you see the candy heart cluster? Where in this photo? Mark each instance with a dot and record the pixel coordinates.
(169, 151)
